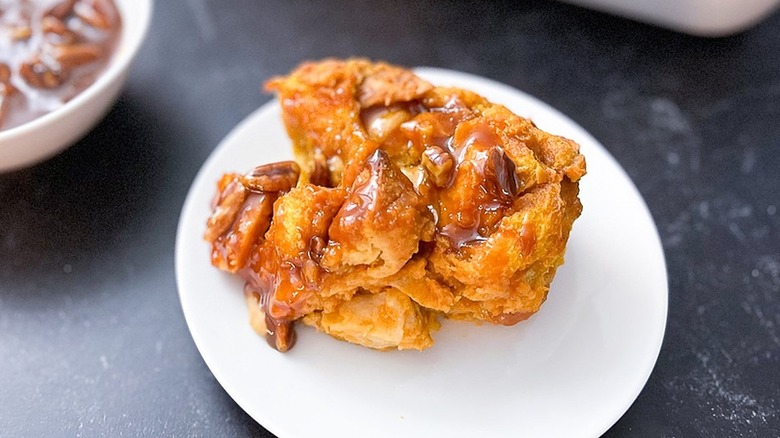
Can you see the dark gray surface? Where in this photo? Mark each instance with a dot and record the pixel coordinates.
(92, 337)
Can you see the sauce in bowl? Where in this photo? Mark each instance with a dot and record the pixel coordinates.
(50, 51)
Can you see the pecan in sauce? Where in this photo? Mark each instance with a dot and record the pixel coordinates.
(50, 51)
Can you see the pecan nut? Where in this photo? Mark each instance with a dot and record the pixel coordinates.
(57, 32)
(500, 171)
(274, 177)
(3, 104)
(21, 33)
(62, 9)
(5, 73)
(39, 75)
(226, 208)
(316, 248)
(76, 54)
(240, 220)
(439, 164)
(92, 13)
(320, 176)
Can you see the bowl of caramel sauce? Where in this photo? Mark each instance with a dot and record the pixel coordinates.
(62, 65)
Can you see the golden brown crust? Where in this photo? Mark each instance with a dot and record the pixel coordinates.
(431, 201)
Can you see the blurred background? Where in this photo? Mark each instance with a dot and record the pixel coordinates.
(92, 338)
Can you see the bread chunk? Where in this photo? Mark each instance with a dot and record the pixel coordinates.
(407, 203)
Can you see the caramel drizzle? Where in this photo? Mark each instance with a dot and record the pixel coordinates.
(479, 148)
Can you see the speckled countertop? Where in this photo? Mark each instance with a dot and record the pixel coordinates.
(92, 337)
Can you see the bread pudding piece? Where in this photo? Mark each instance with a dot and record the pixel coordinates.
(407, 202)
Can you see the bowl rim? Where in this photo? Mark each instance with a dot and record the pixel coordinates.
(130, 42)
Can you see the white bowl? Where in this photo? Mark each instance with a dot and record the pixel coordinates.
(50, 133)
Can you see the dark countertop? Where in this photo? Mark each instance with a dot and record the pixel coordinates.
(92, 337)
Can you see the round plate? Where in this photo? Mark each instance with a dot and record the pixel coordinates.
(570, 371)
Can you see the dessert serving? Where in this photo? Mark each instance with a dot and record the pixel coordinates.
(407, 203)
(50, 51)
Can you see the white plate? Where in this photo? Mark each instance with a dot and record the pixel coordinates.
(570, 371)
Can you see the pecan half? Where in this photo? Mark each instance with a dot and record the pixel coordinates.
(62, 9)
(227, 206)
(6, 89)
(21, 33)
(3, 103)
(316, 248)
(240, 219)
(320, 176)
(92, 14)
(76, 54)
(500, 170)
(274, 177)
(439, 164)
(5, 73)
(39, 75)
(57, 32)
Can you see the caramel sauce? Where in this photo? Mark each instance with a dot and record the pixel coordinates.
(527, 238)
(481, 136)
(366, 186)
(457, 149)
(285, 283)
(470, 220)
(460, 236)
(50, 51)
(512, 318)
(466, 230)
(264, 283)
(279, 332)
(478, 157)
